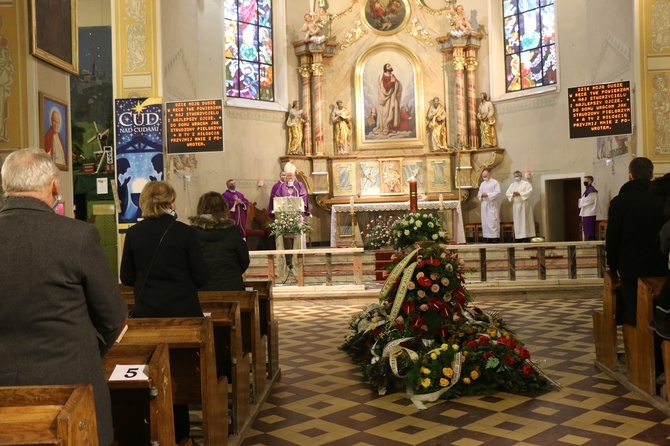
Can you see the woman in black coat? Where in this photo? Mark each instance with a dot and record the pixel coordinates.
(162, 260)
(225, 251)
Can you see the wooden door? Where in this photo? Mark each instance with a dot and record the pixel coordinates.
(571, 192)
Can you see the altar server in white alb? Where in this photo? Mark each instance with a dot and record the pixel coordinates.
(519, 193)
(489, 195)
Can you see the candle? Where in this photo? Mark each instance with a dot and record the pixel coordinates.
(441, 202)
(351, 204)
(412, 195)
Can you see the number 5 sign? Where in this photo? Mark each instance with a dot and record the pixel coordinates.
(134, 372)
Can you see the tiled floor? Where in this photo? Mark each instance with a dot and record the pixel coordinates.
(321, 398)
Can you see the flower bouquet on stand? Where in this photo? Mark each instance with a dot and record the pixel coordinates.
(425, 337)
(289, 223)
(377, 233)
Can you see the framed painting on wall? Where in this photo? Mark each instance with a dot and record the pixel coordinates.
(389, 99)
(370, 180)
(412, 168)
(439, 174)
(391, 177)
(344, 178)
(385, 17)
(53, 33)
(53, 129)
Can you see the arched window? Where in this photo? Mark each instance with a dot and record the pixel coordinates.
(248, 50)
(529, 38)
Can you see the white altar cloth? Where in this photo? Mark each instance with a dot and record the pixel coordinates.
(454, 205)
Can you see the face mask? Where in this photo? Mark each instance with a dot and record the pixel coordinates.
(56, 201)
(231, 187)
(290, 183)
(517, 179)
(486, 179)
(586, 184)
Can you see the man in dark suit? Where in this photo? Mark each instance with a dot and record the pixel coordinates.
(634, 220)
(60, 308)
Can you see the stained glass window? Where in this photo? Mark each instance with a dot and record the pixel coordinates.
(248, 49)
(530, 44)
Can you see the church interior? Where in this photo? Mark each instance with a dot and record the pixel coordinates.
(363, 99)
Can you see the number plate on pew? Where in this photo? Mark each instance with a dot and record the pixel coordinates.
(135, 372)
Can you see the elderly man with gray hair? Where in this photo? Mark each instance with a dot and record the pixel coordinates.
(60, 306)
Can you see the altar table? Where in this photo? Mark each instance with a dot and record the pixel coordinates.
(451, 218)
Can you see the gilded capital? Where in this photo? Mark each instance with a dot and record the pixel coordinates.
(317, 69)
(459, 63)
(304, 70)
(471, 63)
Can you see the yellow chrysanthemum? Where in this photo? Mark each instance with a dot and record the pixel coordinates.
(425, 371)
(433, 356)
(454, 347)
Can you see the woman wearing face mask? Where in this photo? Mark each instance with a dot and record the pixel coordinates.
(163, 261)
(519, 193)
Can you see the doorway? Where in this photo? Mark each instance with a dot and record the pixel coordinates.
(561, 194)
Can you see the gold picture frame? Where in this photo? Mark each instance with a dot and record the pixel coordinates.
(54, 125)
(344, 179)
(53, 33)
(390, 176)
(392, 72)
(385, 20)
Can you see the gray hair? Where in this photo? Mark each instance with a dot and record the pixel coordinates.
(27, 170)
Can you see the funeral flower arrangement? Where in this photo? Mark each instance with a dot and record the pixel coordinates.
(291, 222)
(377, 233)
(426, 338)
(416, 226)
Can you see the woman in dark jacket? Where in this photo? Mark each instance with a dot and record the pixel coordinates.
(162, 260)
(225, 251)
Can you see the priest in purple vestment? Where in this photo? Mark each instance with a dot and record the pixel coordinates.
(238, 206)
(273, 191)
(291, 188)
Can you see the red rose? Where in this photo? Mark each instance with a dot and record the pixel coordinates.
(424, 281)
(528, 370)
(509, 360)
(511, 344)
(400, 327)
(408, 307)
(484, 340)
(472, 344)
(502, 340)
(488, 355)
(525, 354)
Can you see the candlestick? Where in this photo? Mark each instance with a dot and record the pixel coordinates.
(441, 202)
(351, 204)
(413, 197)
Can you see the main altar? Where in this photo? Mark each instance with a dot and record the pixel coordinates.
(384, 98)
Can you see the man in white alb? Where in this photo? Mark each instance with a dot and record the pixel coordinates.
(519, 193)
(489, 193)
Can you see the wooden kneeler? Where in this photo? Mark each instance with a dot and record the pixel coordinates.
(142, 409)
(639, 340)
(192, 367)
(604, 323)
(48, 415)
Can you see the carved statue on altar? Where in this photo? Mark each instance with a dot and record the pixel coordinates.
(341, 120)
(486, 117)
(457, 19)
(295, 121)
(312, 28)
(437, 126)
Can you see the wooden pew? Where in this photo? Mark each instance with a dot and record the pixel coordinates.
(269, 326)
(605, 323)
(639, 340)
(665, 348)
(252, 342)
(192, 367)
(142, 409)
(48, 415)
(230, 358)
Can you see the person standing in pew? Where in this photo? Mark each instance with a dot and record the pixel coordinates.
(163, 262)
(60, 307)
(225, 251)
(634, 219)
(660, 324)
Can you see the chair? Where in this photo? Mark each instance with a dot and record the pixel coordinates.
(507, 231)
(257, 227)
(602, 229)
(471, 232)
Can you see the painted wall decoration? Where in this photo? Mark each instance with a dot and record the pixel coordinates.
(139, 152)
(344, 178)
(370, 179)
(389, 99)
(439, 174)
(385, 17)
(391, 176)
(53, 33)
(413, 168)
(54, 129)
